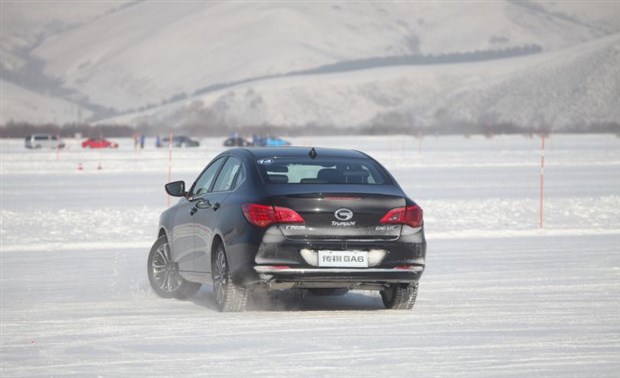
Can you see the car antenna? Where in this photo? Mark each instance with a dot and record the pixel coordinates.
(312, 153)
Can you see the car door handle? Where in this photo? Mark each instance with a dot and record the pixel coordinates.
(203, 204)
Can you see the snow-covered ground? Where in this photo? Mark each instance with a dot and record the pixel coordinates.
(500, 295)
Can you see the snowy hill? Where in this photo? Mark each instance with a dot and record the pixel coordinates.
(26, 93)
(23, 104)
(148, 54)
(566, 88)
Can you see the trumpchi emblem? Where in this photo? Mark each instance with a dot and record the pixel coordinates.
(343, 214)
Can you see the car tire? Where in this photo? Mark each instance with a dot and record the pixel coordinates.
(400, 296)
(229, 297)
(164, 275)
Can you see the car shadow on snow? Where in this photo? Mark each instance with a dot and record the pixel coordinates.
(298, 300)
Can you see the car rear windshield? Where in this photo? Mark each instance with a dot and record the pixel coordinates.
(321, 171)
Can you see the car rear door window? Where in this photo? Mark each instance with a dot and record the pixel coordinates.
(203, 183)
(226, 178)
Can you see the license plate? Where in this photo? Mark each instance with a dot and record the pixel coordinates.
(346, 259)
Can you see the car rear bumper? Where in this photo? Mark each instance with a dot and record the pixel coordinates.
(279, 277)
(282, 262)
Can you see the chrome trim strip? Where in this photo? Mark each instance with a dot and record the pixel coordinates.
(269, 269)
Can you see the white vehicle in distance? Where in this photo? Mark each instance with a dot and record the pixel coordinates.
(43, 141)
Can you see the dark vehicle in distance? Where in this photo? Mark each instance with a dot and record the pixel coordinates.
(237, 141)
(179, 141)
(98, 143)
(322, 220)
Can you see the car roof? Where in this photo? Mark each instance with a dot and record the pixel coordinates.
(290, 152)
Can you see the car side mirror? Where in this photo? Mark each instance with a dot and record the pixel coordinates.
(176, 188)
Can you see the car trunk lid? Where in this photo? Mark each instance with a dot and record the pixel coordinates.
(338, 216)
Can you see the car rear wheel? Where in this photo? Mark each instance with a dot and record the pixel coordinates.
(164, 274)
(228, 296)
(400, 296)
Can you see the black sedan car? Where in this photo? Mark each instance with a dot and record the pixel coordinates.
(322, 220)
(237, 141)
(179, 141)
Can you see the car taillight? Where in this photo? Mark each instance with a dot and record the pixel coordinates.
(410, 215)
(263, 215)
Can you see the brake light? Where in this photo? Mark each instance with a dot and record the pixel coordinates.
(410, 215)
(264, 215)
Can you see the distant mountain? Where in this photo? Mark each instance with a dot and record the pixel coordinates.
(566, 89)
(231, 65)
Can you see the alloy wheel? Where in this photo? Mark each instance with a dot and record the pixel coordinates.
(220, 274)
(165, 271)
